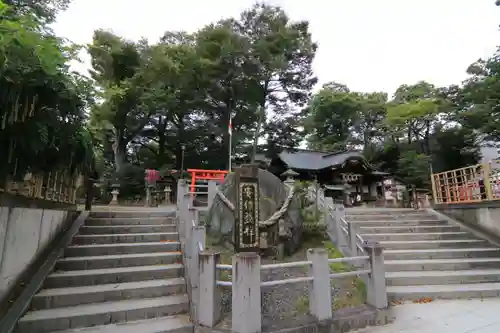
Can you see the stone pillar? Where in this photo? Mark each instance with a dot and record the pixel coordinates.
(353, 249)
(181, 190)
(148, 196)
(208, 294)
(376, 291)
(212, 192)
(320, 292)
(168, 192)
(246, 301)
(184, 214)
(198, 240)
(327, 210)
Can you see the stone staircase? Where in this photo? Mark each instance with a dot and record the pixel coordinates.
(123, 273)
(429, 258)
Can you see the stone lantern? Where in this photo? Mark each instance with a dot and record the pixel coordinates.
(115, 192)
(167, 191)
(289, 174)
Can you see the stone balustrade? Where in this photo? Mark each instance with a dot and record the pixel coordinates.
(203, 268)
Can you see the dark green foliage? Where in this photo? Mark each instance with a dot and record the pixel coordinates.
(42, 104)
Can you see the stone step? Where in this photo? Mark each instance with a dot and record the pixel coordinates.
(64, 297)
(434, 244)
(440, 264)
(419, 236)
(125, 229)
(449, 291)
(124, 248)
(398, 223)
(120, 260)
(86, 315)
(91, 277)
(132, 214)
(485, 252)
(408, 228)
(409, 278)
(102, 221)
(412, 217)
(364, 211)
(173, 324)
(125, 238)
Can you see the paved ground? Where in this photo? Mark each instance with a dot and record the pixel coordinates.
(453, 316)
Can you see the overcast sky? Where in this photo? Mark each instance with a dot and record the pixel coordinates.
(369, 45)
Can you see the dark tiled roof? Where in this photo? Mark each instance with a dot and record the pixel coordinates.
(315, 160)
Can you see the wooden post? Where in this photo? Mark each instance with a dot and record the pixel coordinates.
(89, 187)
(487, 181)
(247, 207)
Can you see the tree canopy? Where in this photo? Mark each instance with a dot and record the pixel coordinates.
(42, 103)
(167, 104)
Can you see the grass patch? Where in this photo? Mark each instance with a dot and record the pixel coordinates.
(302, 304)
(225, 256)
(353, 288)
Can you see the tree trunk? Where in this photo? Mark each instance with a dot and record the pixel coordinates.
(179, 151)
(119, 147)
(162, 125)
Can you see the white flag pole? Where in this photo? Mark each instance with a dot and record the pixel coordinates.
(230, 130)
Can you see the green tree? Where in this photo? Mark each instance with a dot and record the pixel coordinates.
(339, 119)
(45, 10)
(116, 69)
(480, 98)
(42, 104)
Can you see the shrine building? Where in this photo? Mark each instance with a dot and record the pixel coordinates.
(346, 170)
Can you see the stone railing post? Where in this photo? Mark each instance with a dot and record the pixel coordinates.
(208, 294)
(212, 191)
(352, 239)
(194, 271)
(376, 291)
(320, 292)
(327, 207)
(184, 215)
(181, 190)
(190, 223)
(246, 300)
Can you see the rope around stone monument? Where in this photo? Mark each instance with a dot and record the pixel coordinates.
(274, 218)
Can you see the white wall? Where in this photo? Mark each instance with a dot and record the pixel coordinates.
(24, 234)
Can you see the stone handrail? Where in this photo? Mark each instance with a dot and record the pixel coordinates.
(342, 233)
(203, 268)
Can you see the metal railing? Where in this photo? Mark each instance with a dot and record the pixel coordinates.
(204, 267)
(475, 183)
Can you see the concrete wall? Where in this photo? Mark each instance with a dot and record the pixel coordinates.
(485, 215)
(25, 236)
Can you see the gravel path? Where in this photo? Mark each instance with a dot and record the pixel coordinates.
(290, 301)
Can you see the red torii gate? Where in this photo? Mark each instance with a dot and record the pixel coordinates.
(206, 175)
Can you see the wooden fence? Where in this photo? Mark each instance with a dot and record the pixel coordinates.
(56, 186)
(476, 183)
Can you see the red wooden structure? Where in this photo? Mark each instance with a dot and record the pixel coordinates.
(206, 175)
(151, 176)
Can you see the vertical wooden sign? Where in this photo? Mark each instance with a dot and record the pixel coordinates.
(247, 226)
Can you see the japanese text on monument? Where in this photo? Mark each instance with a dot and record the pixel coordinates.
(249, 215)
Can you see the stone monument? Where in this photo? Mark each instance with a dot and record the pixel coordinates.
(279, 224)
